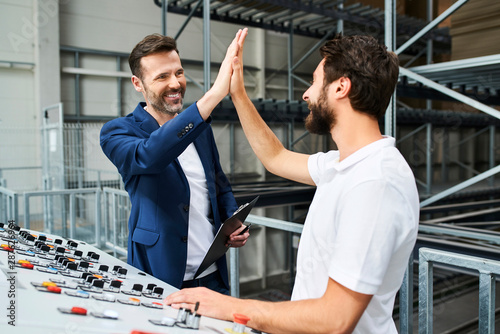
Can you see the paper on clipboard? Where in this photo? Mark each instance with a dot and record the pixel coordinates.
(218, 247)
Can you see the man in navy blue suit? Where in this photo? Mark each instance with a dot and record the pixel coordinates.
(170, 167)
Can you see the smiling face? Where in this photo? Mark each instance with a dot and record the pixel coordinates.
(163, 83)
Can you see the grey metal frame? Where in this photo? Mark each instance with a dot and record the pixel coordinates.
(72, 193)
(47, 162)
(447, 91)
(8, 205)
(487, 270)
(234, 275)
(428, 142)
(118, 198)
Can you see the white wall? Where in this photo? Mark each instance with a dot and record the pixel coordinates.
(19, 121)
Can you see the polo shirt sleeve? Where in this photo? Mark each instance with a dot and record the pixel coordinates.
(317, 163)
(370, 229)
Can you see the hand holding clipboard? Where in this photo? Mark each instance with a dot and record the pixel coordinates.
(220, 244)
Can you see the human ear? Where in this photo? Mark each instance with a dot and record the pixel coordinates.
(137, 83)
(343, 87)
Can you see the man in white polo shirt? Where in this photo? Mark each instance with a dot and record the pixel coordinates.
(363, 221)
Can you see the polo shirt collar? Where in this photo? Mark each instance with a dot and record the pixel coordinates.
(362, 153)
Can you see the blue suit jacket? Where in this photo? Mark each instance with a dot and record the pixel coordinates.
(146, 157)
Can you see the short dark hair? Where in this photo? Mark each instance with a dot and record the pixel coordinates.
(372, 69)
(151, 44)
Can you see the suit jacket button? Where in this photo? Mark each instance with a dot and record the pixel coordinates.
(191, 125)
(186, 208)
(179, 135)
(184, 239)
(187, 128)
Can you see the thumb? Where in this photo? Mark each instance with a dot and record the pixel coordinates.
(236, 63)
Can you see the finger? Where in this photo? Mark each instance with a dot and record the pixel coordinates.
(182, 296)
(238, 244)
(238, 231)
(236, 64)
(239, 237)
(241, 38)
(240, 234)
(233, 47)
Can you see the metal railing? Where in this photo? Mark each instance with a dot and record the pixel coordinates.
(116, 210)
(487, 270)
(68, 197)
(234, 263)
(8, 205)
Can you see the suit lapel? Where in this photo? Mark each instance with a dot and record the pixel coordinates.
(145, 120)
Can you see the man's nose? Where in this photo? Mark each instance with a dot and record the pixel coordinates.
(305, 96)
(174, 83)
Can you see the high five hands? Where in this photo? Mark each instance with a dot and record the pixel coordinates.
(222, 84)
(234, 54)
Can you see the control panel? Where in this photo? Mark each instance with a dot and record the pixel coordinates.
(49, 284)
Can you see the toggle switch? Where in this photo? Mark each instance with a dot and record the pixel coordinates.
(130, 301)
(89, 279)
(158, 291)
(84, 265)
(71, 266)
(153, 305)
(78, 310)
(106, 314)
(114, 286)
(6, 248)
(54, 289)
(121, 273)
(74, 310)
(136, 290)
(103, 268)
(85, 275)
(78, 293)
(98, 283)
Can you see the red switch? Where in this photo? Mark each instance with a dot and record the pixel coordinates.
(78, 310)
(54, 289)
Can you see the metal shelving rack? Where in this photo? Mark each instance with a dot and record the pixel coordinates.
(472, 81)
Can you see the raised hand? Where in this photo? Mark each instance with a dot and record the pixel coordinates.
(222, 82)
(237, 87)
(220, 87)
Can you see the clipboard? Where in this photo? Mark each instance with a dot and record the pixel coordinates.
(218, 247)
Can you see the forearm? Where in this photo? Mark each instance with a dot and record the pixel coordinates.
(263, 141)
(305, 316)
(337, 311)
(208, 102)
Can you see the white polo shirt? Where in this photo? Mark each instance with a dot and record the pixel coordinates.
(360, 229)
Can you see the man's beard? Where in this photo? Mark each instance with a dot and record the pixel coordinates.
(162, 106)
(321, 119)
